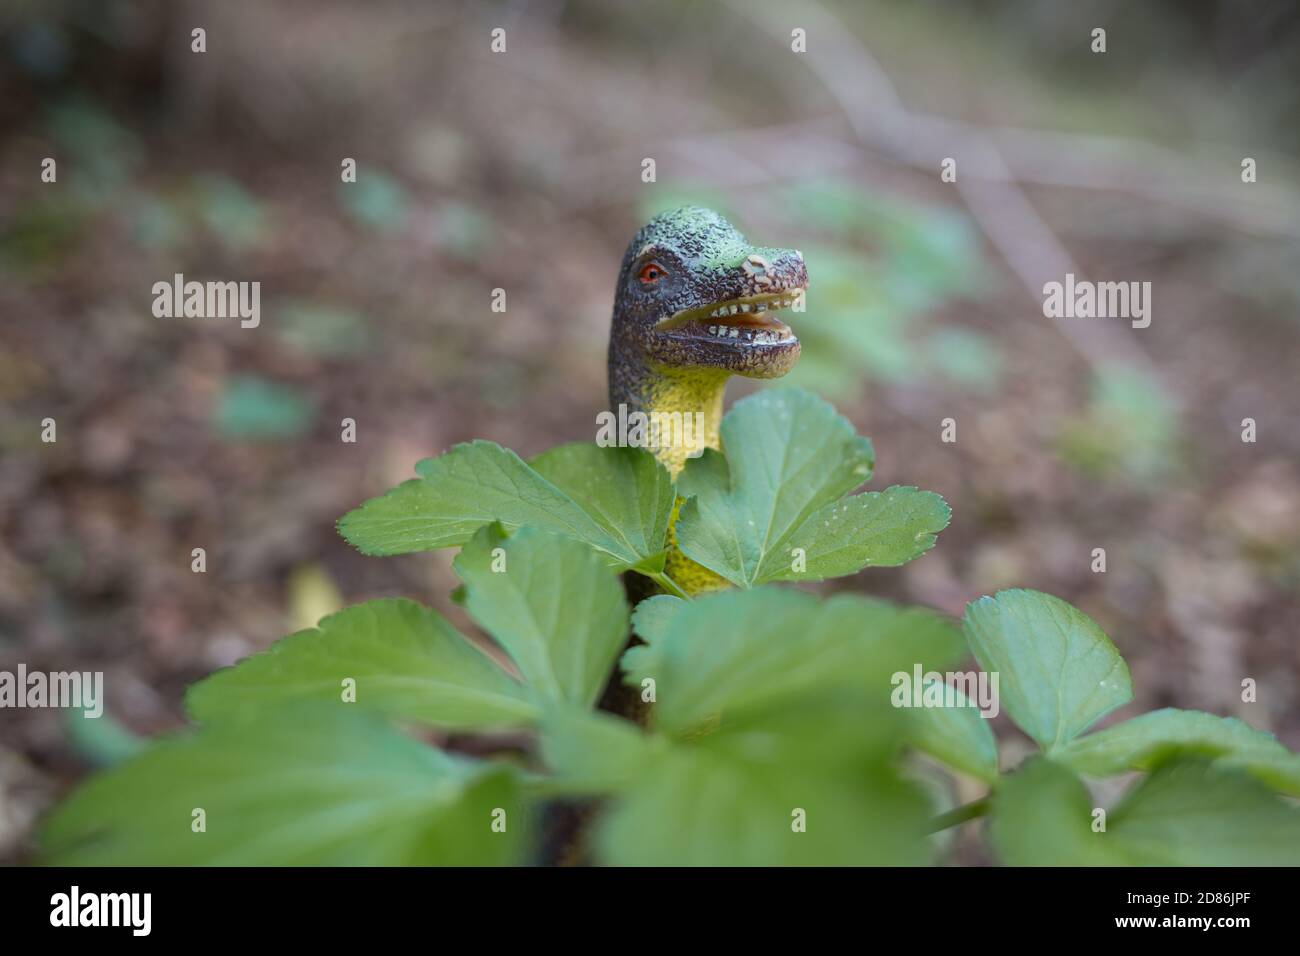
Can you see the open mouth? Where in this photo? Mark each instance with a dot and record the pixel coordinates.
(748, 320)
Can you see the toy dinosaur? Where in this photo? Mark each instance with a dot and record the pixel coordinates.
(695, 305)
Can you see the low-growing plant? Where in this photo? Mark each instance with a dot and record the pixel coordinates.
(764, 729)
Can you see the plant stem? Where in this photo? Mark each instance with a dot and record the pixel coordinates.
(959, 815)
(668, 584)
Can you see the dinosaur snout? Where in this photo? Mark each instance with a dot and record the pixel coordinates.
(773, 270)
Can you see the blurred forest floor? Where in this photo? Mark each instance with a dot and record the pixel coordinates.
(522, 171)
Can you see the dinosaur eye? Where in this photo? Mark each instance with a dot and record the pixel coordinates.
(651, 273)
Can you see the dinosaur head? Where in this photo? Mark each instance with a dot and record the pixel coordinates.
(692, 292)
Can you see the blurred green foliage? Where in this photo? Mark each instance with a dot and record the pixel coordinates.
(320, 329)
(39, 234)
(102, 741)
(232, 214)
(104, 153)
(880, 269)
(254, 409)
(156, 222)
(96, 157)
(376, 200)
(465, 230)
(966, 357)
(1129, 429)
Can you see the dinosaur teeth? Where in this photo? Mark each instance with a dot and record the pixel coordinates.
(749, 335)
(768, 301)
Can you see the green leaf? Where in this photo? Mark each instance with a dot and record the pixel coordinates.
(1148, 740)
(1042, 816)
(1059, 671)
(701, 475)
(589, 752)
(552, 604)
(1186, 813)
(651, 621)
(956, 735)
(549, 601)
(481, 482)
(625, 490)
(1189, 814)
(456, 494)
(875, 529)
(407, 662)
(742, 649)
(789, 460)
(653, 615)
(732, 798)
(305, 786)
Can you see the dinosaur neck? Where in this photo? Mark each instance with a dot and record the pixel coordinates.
(689, 400)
